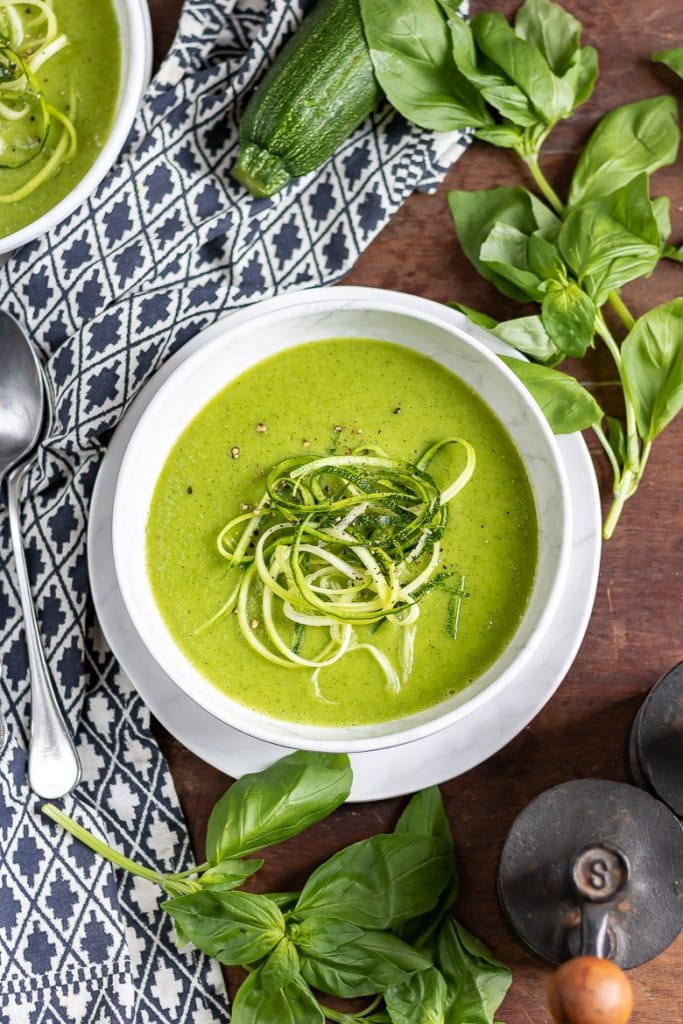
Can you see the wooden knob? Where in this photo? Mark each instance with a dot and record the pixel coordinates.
(589, 990)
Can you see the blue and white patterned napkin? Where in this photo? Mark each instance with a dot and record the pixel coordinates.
(166, 245)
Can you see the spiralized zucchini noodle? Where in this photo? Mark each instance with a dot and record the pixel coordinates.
(337, 542)
(30, 36)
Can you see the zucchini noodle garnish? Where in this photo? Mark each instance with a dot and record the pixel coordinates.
(337, 542)
(30, 36)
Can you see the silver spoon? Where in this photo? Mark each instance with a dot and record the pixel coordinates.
(25, 413)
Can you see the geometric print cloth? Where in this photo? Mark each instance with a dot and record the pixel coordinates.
(167, 244)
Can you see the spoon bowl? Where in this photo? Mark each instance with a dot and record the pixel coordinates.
(25, 414)
(22, 399)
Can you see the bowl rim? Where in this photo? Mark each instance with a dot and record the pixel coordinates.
(209, 697)
(136, 70)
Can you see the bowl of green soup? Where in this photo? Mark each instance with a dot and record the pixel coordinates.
(342, 523)
(72, 76)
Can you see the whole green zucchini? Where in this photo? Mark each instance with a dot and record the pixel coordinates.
(320, 87)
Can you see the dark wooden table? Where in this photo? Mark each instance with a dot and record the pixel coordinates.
(636, 631)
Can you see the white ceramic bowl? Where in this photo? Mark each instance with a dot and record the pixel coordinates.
(136, 67)
(251, 335)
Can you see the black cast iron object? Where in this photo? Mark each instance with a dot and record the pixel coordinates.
(594, 867)
(656, 744)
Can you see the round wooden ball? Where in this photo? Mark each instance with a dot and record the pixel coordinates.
(589, 990)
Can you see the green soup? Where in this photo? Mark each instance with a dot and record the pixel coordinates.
(82, 79)
(295, 403)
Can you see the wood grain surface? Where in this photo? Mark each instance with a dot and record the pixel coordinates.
(636, 631)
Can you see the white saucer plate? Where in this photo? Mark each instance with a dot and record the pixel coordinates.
(378, 774)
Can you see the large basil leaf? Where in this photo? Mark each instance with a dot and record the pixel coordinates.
(233, 927)
(424, 815)
(281, 801)
(496, 88)
(672, 58)
(652, 359)
(410, 49)
(528, 335)
(476, 982)
(524, 64)
(631, 140)
(551, 29)
(379, 882)
(612, 240)
(294, 1003)
(422, 1000)
(555, 33)
(566, 405)
(322, 935)
(370, 963)
(476, 213)
(568, 316)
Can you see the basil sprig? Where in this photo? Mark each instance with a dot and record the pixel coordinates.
(372, 921)
(573, 257)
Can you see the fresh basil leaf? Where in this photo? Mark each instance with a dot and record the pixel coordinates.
(652, 361)
(565, 403)
(323, 934)
(612, 240)
(476, 982)
(379, 882)
(424, 815)
(495, 87)
(233, 927)
(602, 254)
(544, 259)
(632, 207)
(473, 315)
(505, 136)
(410, 48)
(422, 1000)
(230, 874)
(281, 967)
(528, 335)
(661, 209)
(672, 58)
(616, 436)
(294, 1003)
(524, 64)
(631, 140)
(370, 963)
(551, 29)
(582, 74)
(506, 252)
(475, 214)
(281, 801)
(556, 34)
(568, 315)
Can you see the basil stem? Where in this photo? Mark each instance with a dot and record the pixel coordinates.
(100, 847)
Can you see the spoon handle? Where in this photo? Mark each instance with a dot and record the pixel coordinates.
(53, 765)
